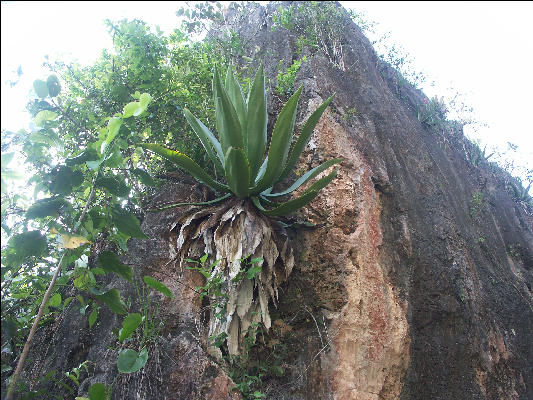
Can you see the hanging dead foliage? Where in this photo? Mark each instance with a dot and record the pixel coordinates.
(234, 233)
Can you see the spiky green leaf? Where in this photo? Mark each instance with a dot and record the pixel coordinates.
(322, 182)
(227, 121)
(184, 162)
(208, 140)
(200, 203)
(304, 137)
(256, 123)
(237, 172)
(279, 144)
(305, 178)
(295, 204)
(237, 99)
(262, 170)
(287, 207)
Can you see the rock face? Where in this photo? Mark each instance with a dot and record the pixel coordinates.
(414, 287)
(415, 282)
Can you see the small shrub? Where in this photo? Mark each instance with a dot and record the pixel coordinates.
(433, 112)
(285, 80)
(477, 204)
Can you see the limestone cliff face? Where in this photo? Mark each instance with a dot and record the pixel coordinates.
(408, 287)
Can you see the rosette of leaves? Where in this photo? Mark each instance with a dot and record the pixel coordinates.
(239, 152)
(240, 228)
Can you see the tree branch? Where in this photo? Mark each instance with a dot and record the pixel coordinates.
(35, 325)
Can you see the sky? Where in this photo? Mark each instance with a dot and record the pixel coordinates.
(482, 50)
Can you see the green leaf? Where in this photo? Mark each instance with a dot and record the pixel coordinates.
(48, 137)
(256, 127)
(41, 88)
(86, 279)
(253, 271)
(130, 109)
(112, 299)
(279, 144)
(53, 85)
(136, 108)
(287, 207)
(93, 316)
(113, 185)
(6, 159)
(98, 271)
(130, 323)
(97, 391)
(227, 121)
(303, 138)
(9, 327)
(322, 182)
(110, 262)
(23, 245)
(44, 116)
(305, 177)
(129, 360)
(144, 177)
(94, 165)
(207, 139)
(128, 224)
(113, 127)
(144, 100)
(55, 300)
(114, 159)
(6, 368)
(202, 203)
(184, 162)
(237, 99)
(89, 154)
(21, 295)
(46, 208)
(237, 172)
(295, 204)
(262, 170)
(154, 283)
(64, 179)
(98, 216)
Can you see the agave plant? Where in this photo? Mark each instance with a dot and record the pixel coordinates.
(242, 129)
(240, 228)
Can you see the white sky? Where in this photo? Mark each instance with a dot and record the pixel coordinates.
(484, 50)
